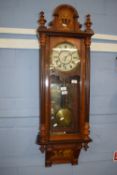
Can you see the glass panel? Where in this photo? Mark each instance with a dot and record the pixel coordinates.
(65, 89)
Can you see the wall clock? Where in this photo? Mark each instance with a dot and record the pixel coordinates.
(64, 85)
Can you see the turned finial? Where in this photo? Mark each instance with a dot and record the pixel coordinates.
(88, 24)
(42, 20)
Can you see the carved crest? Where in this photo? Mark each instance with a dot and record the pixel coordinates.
(65, 19)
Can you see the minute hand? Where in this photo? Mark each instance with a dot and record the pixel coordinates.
(65, 57)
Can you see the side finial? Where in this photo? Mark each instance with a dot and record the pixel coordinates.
(88, 24)
(42, 20)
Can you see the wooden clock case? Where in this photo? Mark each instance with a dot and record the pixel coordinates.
(64, 148)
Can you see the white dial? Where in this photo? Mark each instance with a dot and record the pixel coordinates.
(65, 57)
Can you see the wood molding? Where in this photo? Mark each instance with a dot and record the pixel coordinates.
(24, 31)
(33, 44)
(19, 31)
(103, 47)
(17, 43)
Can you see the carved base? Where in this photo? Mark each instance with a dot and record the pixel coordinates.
(67, 153)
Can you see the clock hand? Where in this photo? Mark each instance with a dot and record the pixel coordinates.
(66, 56)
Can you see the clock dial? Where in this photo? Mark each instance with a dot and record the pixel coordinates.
(65, 57)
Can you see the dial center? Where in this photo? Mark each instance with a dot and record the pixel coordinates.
(65, 57)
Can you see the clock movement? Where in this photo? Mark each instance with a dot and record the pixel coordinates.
(64, 85)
